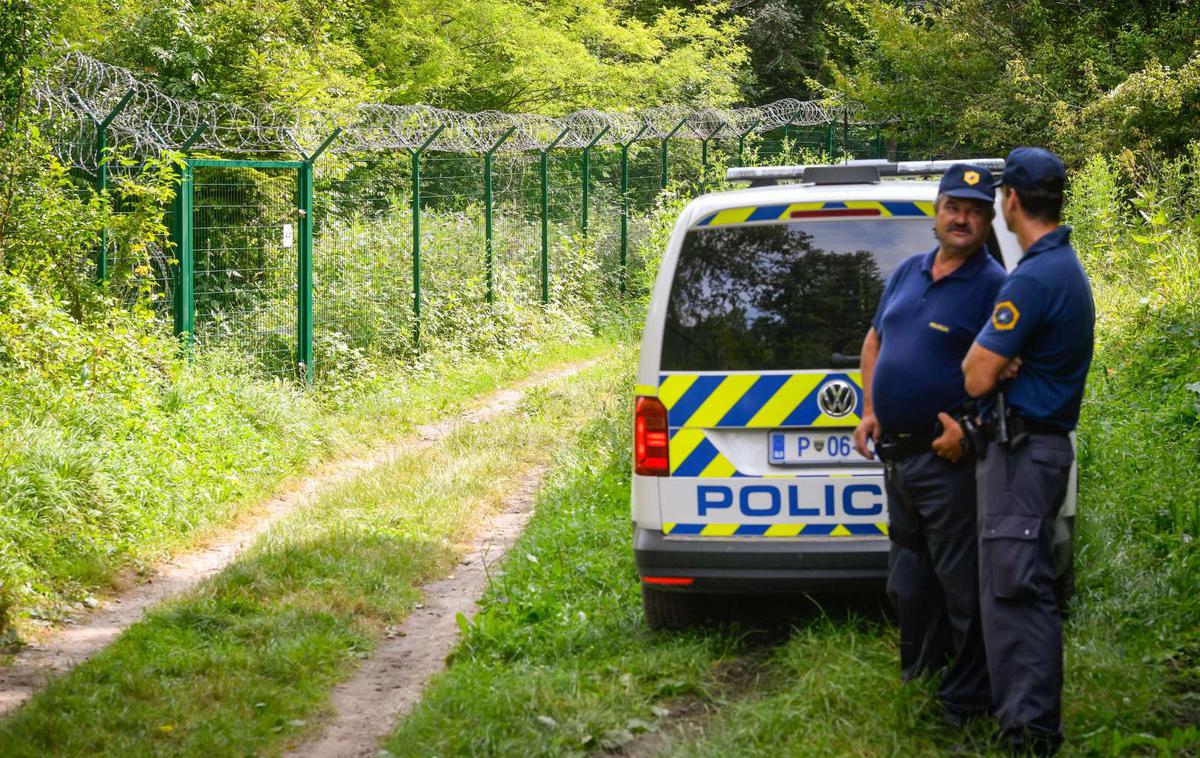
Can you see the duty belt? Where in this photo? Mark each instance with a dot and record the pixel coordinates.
(896, 447)
(1008, 428)
(1020, 427)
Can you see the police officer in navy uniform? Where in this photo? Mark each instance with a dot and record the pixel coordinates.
(932, 308)
(1043, 316)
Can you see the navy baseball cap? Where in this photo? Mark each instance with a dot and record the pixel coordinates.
(1025, 167)
(966, 180)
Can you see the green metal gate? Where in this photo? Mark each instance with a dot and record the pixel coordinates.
(243, 241)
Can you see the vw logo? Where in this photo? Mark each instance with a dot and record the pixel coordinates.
(837, 398)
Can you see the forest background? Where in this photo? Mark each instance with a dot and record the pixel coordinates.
(115, 448)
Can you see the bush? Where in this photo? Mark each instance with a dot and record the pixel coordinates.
(1137, 229)
(112, 442)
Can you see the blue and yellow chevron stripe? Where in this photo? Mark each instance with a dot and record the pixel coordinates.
(768, 213)
(751, 400)
(696, 402)
(775, 530)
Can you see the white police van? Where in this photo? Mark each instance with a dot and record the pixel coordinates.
(748, 391)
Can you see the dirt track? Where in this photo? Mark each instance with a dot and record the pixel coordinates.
(388, 686)
(87, 634)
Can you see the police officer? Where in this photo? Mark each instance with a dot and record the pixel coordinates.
(1044, 316)
(932, 308)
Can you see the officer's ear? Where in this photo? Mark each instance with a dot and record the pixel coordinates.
(1009, 202)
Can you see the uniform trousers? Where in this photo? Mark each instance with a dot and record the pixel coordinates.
(1021, 490)
(933, 577)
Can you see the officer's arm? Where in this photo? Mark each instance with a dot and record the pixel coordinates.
(982, 369)
(868, 427)
(868, 356)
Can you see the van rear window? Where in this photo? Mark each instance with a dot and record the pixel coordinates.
(799, 295)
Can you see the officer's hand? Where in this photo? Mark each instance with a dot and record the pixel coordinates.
(1011, 370)
(949, 445)
(868, 427)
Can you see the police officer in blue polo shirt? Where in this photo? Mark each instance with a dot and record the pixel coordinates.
(1043, 316)
(932, 308)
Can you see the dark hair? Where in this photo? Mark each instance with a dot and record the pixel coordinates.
(1044, 201)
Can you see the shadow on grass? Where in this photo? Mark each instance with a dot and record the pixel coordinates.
(768, 620)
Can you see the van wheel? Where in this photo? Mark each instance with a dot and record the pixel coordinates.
(1064, 589)
(671, 610)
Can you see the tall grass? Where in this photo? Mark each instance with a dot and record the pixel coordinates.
(1137, 229)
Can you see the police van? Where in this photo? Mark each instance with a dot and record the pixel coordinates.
(745, 476)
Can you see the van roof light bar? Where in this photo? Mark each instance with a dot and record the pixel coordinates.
(852, 172)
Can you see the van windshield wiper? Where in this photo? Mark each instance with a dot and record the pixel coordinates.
(845, 361)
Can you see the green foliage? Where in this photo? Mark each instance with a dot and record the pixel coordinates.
(969, 76)
(24, 32)
(498, 54)
(50, 228)
(117, 449)
(114, 447)
(1138, 233)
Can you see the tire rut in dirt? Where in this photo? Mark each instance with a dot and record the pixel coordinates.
(390, 683)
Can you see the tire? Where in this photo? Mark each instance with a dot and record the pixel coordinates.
(671, 610)
(1064, 589)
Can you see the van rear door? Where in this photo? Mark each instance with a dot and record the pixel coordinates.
(767, 312)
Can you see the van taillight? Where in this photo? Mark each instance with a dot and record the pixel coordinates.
(650, 438)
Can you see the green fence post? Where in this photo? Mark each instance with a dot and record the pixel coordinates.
(184, 305)
(102, 178)
(304, 260)
(846, 133)
(829, 141)
(742, 139)
(304, 296)
(704, 158)
(587, 176)
(879, 141)
(416, 232)
(670, 134)
(623, 274)
(488, 208)
(546, 214)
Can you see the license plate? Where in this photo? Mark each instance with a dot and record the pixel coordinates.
(812, 447)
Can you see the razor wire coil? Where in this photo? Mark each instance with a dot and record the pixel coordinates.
(78, 92)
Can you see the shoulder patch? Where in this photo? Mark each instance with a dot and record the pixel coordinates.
(1005, 316)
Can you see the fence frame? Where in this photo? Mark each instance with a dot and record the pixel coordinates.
(545, 180)
(587, 177)
(623, 274)
(489, 256)
(182, 230)
(416, 232)
(182, 233)
(102, 158)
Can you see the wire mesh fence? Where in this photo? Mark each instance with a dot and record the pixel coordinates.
(302, 237)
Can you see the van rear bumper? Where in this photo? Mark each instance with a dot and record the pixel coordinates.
(763, 565)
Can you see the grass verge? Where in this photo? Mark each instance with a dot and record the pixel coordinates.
(245, 663)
